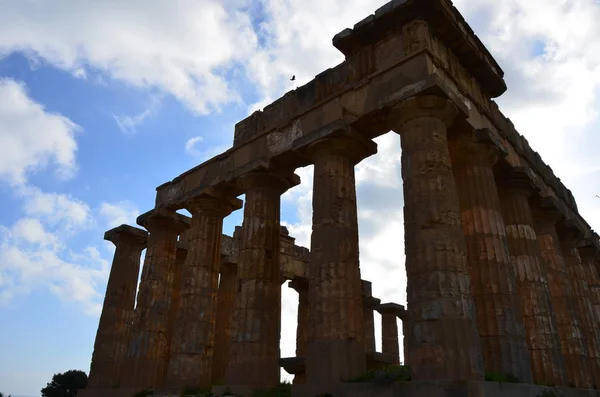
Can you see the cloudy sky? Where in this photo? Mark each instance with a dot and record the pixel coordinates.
(102, 101)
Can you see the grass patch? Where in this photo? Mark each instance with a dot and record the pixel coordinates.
(389, 374)
(500, 378)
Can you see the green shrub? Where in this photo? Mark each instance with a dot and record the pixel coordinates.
(500, 378)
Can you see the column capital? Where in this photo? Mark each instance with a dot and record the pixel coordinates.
(350, 144)
(127, 235)
(162, 218)
(569, 234)
(546, 210)
(422, 106)
(215, 203)
(299, 284)
(516, 180)
(391, 308)
(589, 248)
(264, 178)
(476, 146)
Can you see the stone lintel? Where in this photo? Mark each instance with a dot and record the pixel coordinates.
(391, 308)
(293, 365)
(126, 233)
(164, 218)
(445, 23)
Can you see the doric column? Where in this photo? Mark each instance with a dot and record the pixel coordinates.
(579, 278)
(182, 250)
(147, 355)
(493, 281)
(225, 304)
(301, 286)
(254, 355)
(443, 343)
(589, 250)
(547, 365)
(369, 303)
(193, 339)
(336, 347)
(574, 350)
(389, 329)
(115, 321)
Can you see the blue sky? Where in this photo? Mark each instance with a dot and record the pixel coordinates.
(100, 102)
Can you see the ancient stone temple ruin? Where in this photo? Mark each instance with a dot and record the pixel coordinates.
(501, 268)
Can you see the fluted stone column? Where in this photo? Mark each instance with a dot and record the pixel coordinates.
(369, 304)
(147, 355)
(336, 348)
(182, 250)
(301, 286)
(493, 281)
(543, 342)
(573, 347)
(225, 305)
(254, 355)
(578, 277)
(389, 329)
(193, 340)
(443, 343)
(589, 250)
(114, 328)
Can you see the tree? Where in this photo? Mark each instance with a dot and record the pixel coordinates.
(65, 384)
(2, 394)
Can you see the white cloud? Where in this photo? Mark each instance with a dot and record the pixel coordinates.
(184, 48)
(32, 138)
(191, 145)
(116, 214)
(33, 258)
(59, 210)
(128, 124)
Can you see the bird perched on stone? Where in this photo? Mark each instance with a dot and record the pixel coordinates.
(293, 78)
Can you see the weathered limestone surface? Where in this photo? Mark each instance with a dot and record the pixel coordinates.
(336, 345)
(536, 307)
(589, 250)
(578, 277)
(254, 356)
(301, 286)
(114, 328)
(573, 347)
(190, 364)
(147, 354)
(493, 281)
(223, 328)
(443, 342)
(389, 329)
